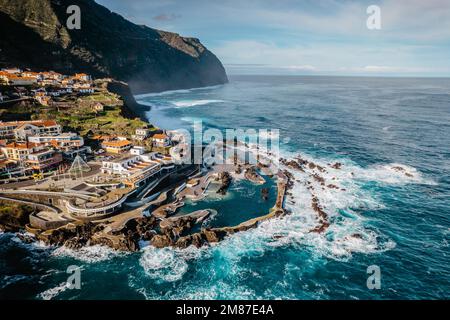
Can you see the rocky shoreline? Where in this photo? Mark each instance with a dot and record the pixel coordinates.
(160, 229)
(165, 228)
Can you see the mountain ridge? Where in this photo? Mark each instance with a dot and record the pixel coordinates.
(107, 45)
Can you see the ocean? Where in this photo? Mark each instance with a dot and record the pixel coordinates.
(373, 126)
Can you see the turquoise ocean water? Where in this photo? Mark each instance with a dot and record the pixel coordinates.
(371, 125)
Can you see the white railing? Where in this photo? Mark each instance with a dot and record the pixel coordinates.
(114, 205)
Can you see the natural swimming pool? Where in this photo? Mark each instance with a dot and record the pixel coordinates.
(242, 202)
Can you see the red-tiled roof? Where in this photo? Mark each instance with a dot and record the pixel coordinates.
(27, 145)
(117, 143)
(160, 136)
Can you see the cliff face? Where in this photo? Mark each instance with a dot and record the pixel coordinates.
(34, 35)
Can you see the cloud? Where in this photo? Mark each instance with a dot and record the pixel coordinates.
(312, 36)
(380, 69)
(349, 58)
(300, 68)
(166, 17)
(424, 20)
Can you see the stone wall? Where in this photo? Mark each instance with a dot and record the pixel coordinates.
(42, 224)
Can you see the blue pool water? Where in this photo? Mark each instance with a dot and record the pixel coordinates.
(371, 125)
(224, 208)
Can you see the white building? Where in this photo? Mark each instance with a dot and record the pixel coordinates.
(33, 128)
(141, 134)
(161, 140)
(136, 150)
(65, 141)
(21, 81)
(12, 70)
(129, 165)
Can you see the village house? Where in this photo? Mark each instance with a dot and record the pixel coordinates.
(116, 146)
(50, 78)
(161, 140)
(98, 107)
(85, 89)
(67, 82)
(7, 167)
(136, 150)
(21, 81)
(4, 77)
(30, 74)
(141, 134)
(20, 151)
(8, 129)
(32, 155)
(81, 77)
(51, 75)
(12, 70)
(43, 159)
(33, 128)
(64, 141)
(42, 98)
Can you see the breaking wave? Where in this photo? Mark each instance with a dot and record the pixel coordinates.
(347, 234)
(90, 254)
(171, 92)
(341, 194)
(53, 292)
(193, 103)
(167, 264)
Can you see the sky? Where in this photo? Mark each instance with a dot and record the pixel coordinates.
(297, 37)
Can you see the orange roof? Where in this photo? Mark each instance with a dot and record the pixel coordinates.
(160, 136)
(27, 145)
(14, 77)
(54, 143)
(49, 123)
(40, 123)
(117, 143)
(50, 73)
(80, 75)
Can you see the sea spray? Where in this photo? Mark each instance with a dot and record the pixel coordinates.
(89, 254)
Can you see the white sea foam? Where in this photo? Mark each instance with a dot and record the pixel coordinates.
(193, 103)
(89, 254)
(170, 92)
(392, 173)
(159, 94)
(53, 292)
(344, 205)
(166, 264)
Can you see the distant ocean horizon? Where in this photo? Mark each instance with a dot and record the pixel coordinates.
(372, 125)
